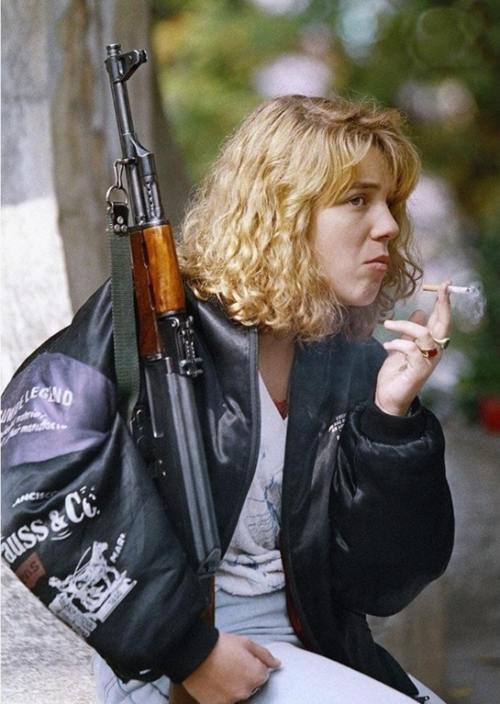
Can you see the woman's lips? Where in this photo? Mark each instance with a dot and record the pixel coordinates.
(378, 264)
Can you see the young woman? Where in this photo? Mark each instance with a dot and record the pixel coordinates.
(327, 473)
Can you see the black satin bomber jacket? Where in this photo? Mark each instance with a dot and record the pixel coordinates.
(366, 523)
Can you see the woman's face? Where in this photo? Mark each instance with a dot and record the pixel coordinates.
(351, 238)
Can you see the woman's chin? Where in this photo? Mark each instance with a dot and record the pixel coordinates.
(362, 300)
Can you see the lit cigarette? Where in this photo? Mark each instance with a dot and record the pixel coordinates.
(451, 289)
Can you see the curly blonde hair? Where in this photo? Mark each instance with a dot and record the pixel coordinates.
(246, 238)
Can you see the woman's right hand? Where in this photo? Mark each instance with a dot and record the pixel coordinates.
(233, 671)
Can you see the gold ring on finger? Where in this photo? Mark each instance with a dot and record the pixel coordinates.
(430, 353)
(443, 342)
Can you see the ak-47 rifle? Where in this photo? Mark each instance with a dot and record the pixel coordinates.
(165, 422)
(166, 427)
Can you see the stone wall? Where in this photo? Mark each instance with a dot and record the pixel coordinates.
(59, 142)
(35, 291)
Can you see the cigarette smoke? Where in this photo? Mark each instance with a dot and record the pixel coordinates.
(468, 309)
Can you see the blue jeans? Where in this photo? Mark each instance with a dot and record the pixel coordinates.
(304, 678)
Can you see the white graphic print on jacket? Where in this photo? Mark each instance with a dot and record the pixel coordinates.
(252, 564)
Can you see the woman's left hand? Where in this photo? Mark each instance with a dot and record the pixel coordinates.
(406, 369)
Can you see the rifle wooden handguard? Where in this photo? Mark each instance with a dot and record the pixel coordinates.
(166, 282)
(157, 282)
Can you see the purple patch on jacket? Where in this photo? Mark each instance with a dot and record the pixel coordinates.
(55, 406)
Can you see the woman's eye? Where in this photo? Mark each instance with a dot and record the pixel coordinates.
(357, 200)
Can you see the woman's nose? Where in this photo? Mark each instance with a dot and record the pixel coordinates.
(385, 225)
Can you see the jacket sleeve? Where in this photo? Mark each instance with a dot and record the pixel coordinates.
(83, 524)
(391, 511)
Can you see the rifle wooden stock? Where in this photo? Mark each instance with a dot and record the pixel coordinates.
(179, 695)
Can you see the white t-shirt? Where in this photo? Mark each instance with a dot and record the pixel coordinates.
(252, 564)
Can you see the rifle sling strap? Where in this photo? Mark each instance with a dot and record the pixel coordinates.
(124, 323)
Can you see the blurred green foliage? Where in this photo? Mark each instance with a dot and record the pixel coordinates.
(208, 52)
(437, 60)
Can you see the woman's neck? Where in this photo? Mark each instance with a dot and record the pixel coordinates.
(275, 363)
